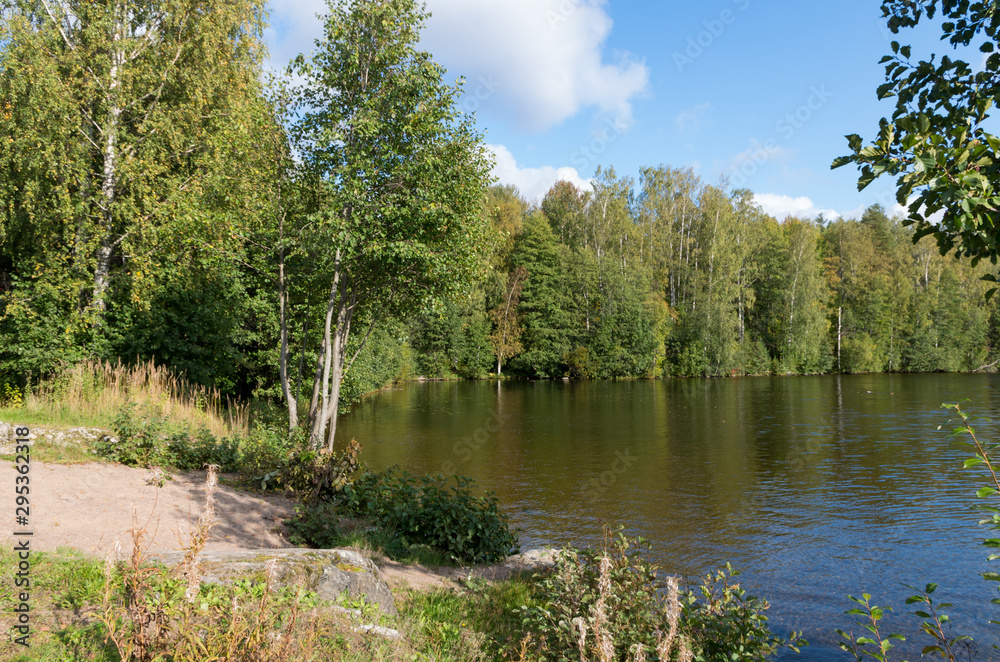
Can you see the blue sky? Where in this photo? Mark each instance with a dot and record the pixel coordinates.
(759, 92)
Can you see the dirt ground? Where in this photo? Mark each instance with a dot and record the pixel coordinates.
(89, 506)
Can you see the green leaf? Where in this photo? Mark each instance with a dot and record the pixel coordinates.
(841, 161)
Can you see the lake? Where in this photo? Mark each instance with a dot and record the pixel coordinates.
(814, 487)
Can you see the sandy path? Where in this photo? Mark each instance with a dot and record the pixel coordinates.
(89, 506)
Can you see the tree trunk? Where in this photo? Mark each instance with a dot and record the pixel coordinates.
(337, 374)
(109, 184)
(286, 390)
(302, 354)
(322, 386)
(840, 317)
(102, 276)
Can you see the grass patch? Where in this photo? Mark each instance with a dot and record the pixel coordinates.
(65, 598)
(478, 621)
(92, 393)
(75, 451)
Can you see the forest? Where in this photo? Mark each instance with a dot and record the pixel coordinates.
(166, 199)
(669, 276)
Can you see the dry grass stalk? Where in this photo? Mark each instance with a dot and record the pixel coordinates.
(602, 638)
(95, 391)
(581, 626)
(604, 642)
(199, 536)
(522, 655)
(145, 626)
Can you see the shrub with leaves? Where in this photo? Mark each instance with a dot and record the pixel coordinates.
(315, 474)
(610, 604)
(139, 437)
(189, 452)
(635, 604)
(421, 510)
(144, 438)
(935, 623)
(728, 624)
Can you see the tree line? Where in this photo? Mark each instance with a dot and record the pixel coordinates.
(311, 237)
(668, 276)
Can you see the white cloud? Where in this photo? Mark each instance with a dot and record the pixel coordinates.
(782, 206)
(693, 119)
(542, 60)
(533, 183)
(856, 213)
(546, 56)
(744, 166)
(294, 27)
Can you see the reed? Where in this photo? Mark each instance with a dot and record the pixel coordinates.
(91, 393)
(603, 649)
(149, 618)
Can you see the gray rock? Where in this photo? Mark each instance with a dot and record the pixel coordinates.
(328, 572)
(532, 559)
(388, 633)
(350, 613)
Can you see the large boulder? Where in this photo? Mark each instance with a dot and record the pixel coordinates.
(329, 572)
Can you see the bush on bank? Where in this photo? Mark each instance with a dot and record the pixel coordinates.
(441, 513)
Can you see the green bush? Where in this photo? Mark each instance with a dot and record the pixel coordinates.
(635, 609)
(189, 452)
(729, 624)
(139, 437)
(264, 449)
(314, 474)
(424, 510)
(143, 438)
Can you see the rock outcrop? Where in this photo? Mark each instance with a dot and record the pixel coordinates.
(329, 572)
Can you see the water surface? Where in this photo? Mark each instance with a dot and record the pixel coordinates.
(815, 487)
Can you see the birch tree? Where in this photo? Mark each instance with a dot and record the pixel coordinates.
(119, 124)
(399, 176)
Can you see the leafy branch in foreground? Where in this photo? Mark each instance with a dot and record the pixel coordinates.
(872, 615)
(936, 145)
(981, 458)
(934, 620)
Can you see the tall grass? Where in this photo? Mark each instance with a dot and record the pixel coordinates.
(91, 393)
